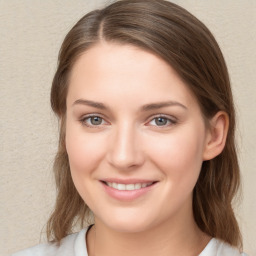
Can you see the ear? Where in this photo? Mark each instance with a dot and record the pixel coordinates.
(216, 135)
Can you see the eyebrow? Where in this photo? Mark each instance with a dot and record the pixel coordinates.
(90, 103)
(153, 106)
(147, 107)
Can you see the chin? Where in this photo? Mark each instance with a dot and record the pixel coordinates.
(128, 224)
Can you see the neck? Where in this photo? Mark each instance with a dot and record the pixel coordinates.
(179, 237)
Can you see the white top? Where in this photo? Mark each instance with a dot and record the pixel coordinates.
(74, 245)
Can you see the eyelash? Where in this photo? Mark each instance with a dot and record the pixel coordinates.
(84, 119)
(170, 121)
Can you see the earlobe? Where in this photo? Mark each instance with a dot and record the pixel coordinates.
(217, 135)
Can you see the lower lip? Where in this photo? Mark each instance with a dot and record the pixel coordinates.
(127, 195)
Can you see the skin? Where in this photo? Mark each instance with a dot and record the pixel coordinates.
(128, 142)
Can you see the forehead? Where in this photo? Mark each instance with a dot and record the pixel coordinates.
(126, 59)
(126, 72)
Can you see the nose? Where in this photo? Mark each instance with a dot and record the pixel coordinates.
(125, 150)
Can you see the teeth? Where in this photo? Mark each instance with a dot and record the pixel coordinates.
(120, 186)
(129, 187)
(138, 185)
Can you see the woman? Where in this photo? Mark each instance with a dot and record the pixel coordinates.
(147, 137)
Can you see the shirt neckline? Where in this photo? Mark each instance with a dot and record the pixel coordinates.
(80, 246)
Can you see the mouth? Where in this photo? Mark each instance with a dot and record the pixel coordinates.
(127, 190)
(128, 187)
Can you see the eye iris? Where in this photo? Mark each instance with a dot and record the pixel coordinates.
(96, 120)
(160, 121)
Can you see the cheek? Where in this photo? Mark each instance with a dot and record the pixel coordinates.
(84, 150)
(179, 155)
(85, 153)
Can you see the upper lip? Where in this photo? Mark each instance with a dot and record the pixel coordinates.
(127, 181)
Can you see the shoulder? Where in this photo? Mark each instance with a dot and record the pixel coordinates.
(69, 246)
(217, 247)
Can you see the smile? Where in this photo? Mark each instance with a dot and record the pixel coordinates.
(120, 186)
(127, 190)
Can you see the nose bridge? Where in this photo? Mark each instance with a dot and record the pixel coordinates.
(125, 150)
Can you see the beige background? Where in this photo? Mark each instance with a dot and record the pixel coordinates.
(31, 32)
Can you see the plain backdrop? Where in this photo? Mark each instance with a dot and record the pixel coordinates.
(31, 32)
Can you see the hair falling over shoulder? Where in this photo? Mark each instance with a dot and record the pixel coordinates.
(179, 38)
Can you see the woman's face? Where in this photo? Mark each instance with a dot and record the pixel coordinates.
(135, 138)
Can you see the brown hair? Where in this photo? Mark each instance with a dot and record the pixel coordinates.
(179, 38)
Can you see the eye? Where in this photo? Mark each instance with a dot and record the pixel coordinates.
(161, 121)
(93, 120)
